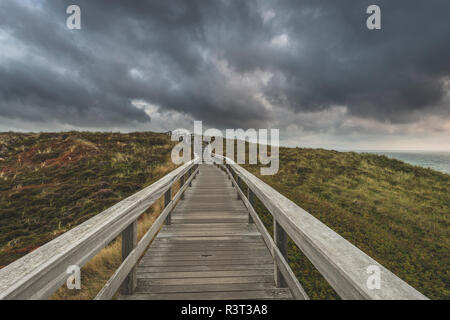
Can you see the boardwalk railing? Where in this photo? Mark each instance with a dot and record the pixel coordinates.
(346, 268)
(40, 273)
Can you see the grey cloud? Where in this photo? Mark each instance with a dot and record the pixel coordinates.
(85, 78)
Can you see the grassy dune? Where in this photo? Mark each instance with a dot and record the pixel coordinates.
(51, 182)
(395, 212)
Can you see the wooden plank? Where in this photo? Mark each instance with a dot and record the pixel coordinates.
(230, 295)
(179, 215)
(249, 229)
(207, 252)
(167, 200)
(280, 239)
(220, 239)
(235, 218)
(227, 205)
(162, 263)
(215, 205)
(208, 220)
(180, 249)
(211, 226)
(209, 212)
(206, 268)
(227, 287)
(203, 274)
(129, 242)
(205, 257)
(181, 228)
(167, 242)
(212, 280)
(212, 233)
(156, 249)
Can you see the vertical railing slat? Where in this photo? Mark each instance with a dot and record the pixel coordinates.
(181, 185)
(238, 196)
(250, 197)
(167, 199)
(129, 242)
(280, 239)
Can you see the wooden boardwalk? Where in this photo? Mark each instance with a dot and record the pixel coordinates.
(209, 251)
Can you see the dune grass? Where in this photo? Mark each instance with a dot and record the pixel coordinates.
(395, 212)
(51, 182)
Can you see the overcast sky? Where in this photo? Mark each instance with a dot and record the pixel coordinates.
(308, 67)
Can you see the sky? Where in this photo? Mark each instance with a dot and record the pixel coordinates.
(310, 68)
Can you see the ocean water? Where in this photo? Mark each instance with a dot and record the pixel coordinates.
(437, 160)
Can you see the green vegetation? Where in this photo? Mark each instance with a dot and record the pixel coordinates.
(395, 212)
(51, 182)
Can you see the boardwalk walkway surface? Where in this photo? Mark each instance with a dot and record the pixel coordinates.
(209, 251)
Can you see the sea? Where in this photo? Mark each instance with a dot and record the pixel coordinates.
(437, 160)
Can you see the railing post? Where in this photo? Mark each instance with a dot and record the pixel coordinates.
(280, 239)
(129, 242)
(237, 188)
(167, 199)
(181, 185)
(250, 197)
(191, 171)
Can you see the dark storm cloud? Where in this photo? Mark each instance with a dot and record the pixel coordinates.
(172, 54)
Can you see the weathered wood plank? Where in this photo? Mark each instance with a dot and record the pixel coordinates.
(203, 274)
(211, 280)
(207, 252)
(162, 263)
(280, 239)
(211, 233)
(175, 249)
(211, 226)
(206, 268)
(205, 257)
(129, 242)
(243, 238)
(166, 242)
(224, 287)
(208, 220)
(208, 212)
(268, 294)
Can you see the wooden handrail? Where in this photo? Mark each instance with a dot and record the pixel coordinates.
(281, 264)
(342, 264)
(40, 273)
(127, 266)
